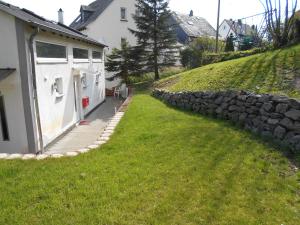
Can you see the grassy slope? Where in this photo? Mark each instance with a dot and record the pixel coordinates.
(155, 171)
(271, 72)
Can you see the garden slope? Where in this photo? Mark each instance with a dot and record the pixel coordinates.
(161, 166)
(276, 72)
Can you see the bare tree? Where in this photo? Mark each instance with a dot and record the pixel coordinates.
(279, 23)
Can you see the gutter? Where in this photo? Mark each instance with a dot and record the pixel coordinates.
(35, 97)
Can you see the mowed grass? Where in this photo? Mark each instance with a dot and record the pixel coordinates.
(276, 72)
(162, 166)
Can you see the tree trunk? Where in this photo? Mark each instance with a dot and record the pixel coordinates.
(155, 50)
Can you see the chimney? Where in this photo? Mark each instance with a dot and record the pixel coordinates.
(61, 16)
(191, 13)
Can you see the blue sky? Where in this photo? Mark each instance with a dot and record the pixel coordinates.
(234, 9)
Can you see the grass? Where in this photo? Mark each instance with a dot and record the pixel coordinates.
(276, 72)
(149, 77)
(162, 166)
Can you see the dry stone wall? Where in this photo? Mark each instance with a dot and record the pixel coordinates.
(277, 117)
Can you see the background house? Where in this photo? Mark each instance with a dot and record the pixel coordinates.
(51, 76)
(108, 21)
(241, 32)
(188, 27)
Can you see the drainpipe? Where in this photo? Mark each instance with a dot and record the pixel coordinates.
(35, 97)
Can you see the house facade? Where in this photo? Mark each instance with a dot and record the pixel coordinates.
(51, 77)
(108, 21)
(237, 29)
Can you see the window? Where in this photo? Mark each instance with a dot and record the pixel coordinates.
(79, 53)
(3, 121)
(137, 12)
(123, 13)
(58, 87)
(123, 41)
(46, 50)
(97, 55)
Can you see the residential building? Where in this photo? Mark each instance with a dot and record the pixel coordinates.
(188, 27)
(51, 77)
(108, 21)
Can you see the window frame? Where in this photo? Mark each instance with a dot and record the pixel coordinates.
(123, 19)
(81, 60)
(95, 59)
(42, 60)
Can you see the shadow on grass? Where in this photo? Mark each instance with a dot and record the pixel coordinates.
(266, 141)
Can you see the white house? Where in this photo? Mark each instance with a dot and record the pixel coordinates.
(108, 21)
(51, 77)
(237, 29)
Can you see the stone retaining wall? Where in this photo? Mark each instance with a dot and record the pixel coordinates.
(277, 117)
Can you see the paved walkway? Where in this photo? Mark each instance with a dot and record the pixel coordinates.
(87, 133)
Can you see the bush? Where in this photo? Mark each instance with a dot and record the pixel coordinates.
(194, 59)
(191, 56)
(210, 58)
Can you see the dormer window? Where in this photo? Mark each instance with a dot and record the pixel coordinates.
(123, 14)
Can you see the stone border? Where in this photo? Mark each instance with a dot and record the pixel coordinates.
(271, 116)
(103, 138)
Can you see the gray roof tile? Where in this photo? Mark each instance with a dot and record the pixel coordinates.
(97, 8)
(36, 20)
(194, 26)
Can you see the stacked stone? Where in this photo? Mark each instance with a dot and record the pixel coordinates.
(277, 117)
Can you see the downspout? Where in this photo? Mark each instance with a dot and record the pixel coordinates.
(35, 97)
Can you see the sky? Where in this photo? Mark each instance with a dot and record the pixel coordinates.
(234, 9)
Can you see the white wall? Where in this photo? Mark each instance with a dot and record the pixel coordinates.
(109, 28)
(225, 30)
(58, 114)
(11, 89)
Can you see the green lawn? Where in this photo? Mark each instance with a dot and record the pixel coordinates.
(271, 72)
(162, 166)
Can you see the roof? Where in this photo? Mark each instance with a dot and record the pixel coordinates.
(96, 8)
(6, 72)
(194, 26)
(38, 21)
(240, 28)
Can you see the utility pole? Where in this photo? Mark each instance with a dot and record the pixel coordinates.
(218, 25)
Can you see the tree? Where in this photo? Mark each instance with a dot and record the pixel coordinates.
(279, 24)
(194, 54)
(123, 62)
(229, 47)
(155, 36)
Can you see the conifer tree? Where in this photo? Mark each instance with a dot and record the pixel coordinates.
(229, 47)
(155, 36)
(123, 62)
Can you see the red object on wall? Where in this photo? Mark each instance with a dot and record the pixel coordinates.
(85, 102)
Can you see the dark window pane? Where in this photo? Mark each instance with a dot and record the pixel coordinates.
(3, 121)
(45, 50)
(97, 55)
(79, 53)
(123, 13)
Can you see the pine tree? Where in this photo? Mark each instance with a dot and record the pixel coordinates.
(229, 47)
(123, 62)
(155, 36)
